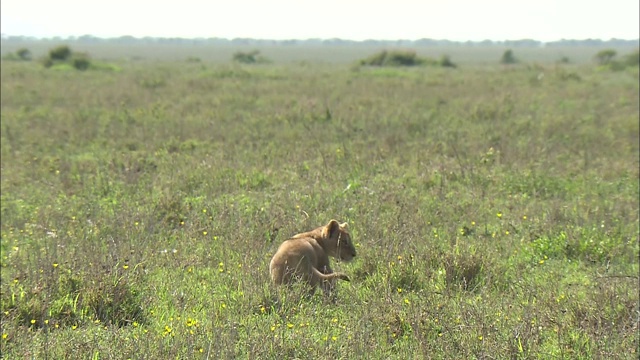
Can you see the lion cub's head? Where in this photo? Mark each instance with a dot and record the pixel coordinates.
(337, 241)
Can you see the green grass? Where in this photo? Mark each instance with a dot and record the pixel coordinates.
(495, 211)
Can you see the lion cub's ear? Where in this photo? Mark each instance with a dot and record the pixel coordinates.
(344, 225)
(330, 229)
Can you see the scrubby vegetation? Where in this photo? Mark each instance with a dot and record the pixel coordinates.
(607, 60)
(445, 61)
(62, 57)
(403, 58)
(633, 58)
(251, 57)
(494, 210)
(508, 57)
(22, 54)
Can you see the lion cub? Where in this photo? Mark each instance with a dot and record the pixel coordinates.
(306, 257)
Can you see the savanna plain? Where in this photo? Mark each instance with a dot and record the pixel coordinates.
(494, 210)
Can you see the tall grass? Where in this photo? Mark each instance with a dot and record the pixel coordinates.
(494, 210)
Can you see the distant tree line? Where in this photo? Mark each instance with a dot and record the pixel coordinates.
(89, 39)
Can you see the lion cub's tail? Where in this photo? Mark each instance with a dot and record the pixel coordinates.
(331, 276)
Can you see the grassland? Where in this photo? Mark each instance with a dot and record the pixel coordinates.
(314, 54)
(494, 209)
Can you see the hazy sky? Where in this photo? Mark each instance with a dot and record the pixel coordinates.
(461, 20)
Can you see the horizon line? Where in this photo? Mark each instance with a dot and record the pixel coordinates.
(76, 37)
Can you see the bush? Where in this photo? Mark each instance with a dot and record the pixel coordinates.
(402, 58)
(508, 57)
(375, 60)
(20, 55)
(396, 58)
(445, 61)
(46, 62)
(24, 54)
(62, 53)
(62, 57)
(251, 57)
(632, 59)
(81, 61)
(604, 57)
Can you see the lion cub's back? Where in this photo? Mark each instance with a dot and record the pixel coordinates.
(290, 254)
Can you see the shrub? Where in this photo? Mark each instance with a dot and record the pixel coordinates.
(24, 54)
(604, 57)
(375, 60)
(402, 58)
(81, 61)
(508, 57)
(61, 57)
(251, 57)
(632, 59)
(46, 62)
(20, 55)
(445, 61)
(62, 53)
(396, 58)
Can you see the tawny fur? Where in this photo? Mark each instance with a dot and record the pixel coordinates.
(305, 257)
